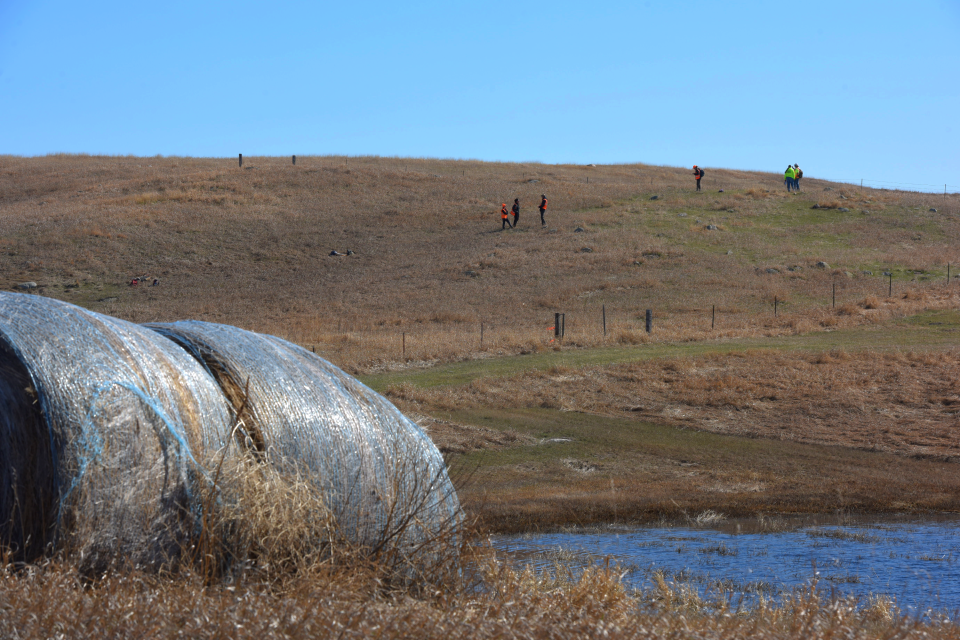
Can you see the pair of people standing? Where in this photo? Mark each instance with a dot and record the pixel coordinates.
(516, 213)
(791, 177)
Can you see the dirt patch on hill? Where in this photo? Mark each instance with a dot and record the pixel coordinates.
(453, 437)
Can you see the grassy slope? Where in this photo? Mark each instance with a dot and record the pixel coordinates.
(250, 247)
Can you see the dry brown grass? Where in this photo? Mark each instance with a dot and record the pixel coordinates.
(899, 402)
(50, 601)
(250, 247)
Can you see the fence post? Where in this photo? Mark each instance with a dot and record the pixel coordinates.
(890, 292)
(241, 160)
(834, 305)
(948, 273)
(556, 325)
(713, 316)
(481, 336)
(774, 306)
(604, 321)
(404, 344)
(649, 320)
(294, 160)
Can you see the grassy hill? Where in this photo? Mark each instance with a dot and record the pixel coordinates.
(251, 247)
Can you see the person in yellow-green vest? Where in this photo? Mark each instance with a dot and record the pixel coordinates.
(788, 177)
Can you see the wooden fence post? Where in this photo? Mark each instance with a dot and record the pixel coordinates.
(774, 306)
(713, 316)
(404, 344)
(649, 320)
(834, 305)
(604, 321)
(481, 336)
(556, 325)
(241, 160)
(294, 160)
(890, 291)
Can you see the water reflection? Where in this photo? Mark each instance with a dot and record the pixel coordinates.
(912, 562)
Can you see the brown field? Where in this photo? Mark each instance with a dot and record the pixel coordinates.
(250, 247)
(785, 373)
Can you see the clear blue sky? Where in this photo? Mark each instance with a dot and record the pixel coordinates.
(850, 90)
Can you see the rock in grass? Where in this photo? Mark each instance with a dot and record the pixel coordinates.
(843, 209)
(867, 273)
(823, 265)
(772, 270)
(932, 210)
(578, 230)
(729, 252)
(816, 206)
(711, 227)
(27, 285)
(586, 250)
(654, 197)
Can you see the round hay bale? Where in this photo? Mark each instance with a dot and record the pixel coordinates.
(380, 474)
(105, 429)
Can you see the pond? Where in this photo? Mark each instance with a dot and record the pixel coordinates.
(913, 562)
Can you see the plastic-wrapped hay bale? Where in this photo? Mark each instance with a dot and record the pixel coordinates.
(104, 428)
(381, 476)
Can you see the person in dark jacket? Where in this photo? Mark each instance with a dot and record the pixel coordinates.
(516, 211)
(543, 208)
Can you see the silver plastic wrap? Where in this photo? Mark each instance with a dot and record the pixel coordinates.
(380, 474)
(113, 437)
(105, 431)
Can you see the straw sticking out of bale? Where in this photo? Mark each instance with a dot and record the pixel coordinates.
(379, 473)
(121, 443)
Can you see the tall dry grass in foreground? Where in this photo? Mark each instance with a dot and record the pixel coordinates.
(49, 601)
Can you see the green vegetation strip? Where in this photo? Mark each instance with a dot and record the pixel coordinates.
(925, 331)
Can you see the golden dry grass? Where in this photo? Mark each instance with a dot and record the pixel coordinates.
(898, 402)
(49, 601)
(250, 247)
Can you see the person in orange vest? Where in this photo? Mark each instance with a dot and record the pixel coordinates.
(543, 207)
(503, 216)
(697, 173)
(516, 211)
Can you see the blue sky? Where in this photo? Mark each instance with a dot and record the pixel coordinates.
(849, 90)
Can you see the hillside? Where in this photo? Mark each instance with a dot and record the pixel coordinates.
(251, 247)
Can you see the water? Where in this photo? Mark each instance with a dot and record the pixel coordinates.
(913, 563)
